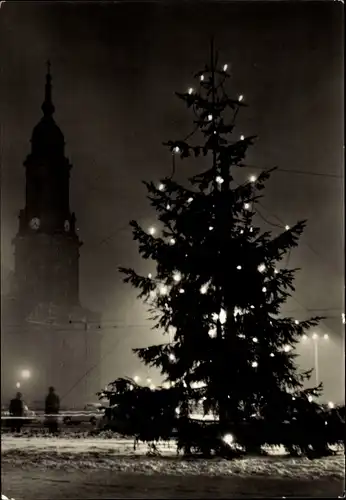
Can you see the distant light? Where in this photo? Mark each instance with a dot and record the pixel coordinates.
(152, 294)
(254, 364)
(190, 91)
(310, 399)
(272, 355)
(240, 98)
(212, 333)
(18, 385)
(181, 290)
(161, 187)
(255, 339)
(331, 404)
(343, 318)
(152, 387)
(136, 379)
(239, 268)
(225, 66)
(177, 276)
(314, 336)
(148, 380)
(190, 200)
(287, 348)
(204, 289)
(176, 149)
(228, 439)
(219, 179)
(172, 241)
(242, 137)
(150, 276)
(261, 268)
(304, 337)
(296, 322)
(201, 78)
(152, 230)
(326, 336)
(264, 289)
(287, 227)
(211, 228)
(163, 290)
(253, 178)
(25, 374)
(246, 206)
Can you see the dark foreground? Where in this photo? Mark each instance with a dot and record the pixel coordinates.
(32, 484)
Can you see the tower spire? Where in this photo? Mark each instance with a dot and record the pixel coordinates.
(47, 106)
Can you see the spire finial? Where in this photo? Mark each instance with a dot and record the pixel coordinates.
(47, 106)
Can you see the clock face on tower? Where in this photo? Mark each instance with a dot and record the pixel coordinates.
(67, 226)
(35, 223)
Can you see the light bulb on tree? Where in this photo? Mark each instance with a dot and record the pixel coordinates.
(177, 276)
(190, 91)
(254, 364)
(136, 378)
(253, 178)
(331, 405)
(276, 271)
(172, 357)
(163, 290)
(212, 333)
(210, 117)
(242, 137)
(211, 228)
(181, 290)
(246, 206)
(219, 179)
(271, 354)
(264, 289)
(261, 268)
(240, 98)
(310, 399)
(287, 348)
(242, 231)
(176, 149)
(150, 276)
(172, 241)
(152, 230)
(225, 66)
(168, 206)
(255, 339)
(161, 187)
(287, 227)
(228, 439)
(204, 289)
(239, 268)
(201, 78)
(296, 322)
(190, 200)
(222, 316)
(152, 387)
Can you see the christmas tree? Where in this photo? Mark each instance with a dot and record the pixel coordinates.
(220, 281)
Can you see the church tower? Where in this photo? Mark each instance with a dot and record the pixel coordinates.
(47, 246)
(45, 331)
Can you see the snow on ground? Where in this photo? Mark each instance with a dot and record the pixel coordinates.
(117, 455)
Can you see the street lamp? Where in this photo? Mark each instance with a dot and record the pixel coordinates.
(25, 374)
(18, 385)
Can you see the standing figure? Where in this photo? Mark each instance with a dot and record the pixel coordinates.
(16, 410)
(52, 407)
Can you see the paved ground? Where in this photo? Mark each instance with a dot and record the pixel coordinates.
(55, 485)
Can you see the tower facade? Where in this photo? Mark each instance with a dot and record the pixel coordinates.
(45, 330)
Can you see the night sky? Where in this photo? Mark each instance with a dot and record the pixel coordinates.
(115, 69)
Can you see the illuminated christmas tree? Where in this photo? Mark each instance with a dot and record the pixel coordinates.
(220, 282)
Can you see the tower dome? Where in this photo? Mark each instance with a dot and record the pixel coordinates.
(47, 139)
